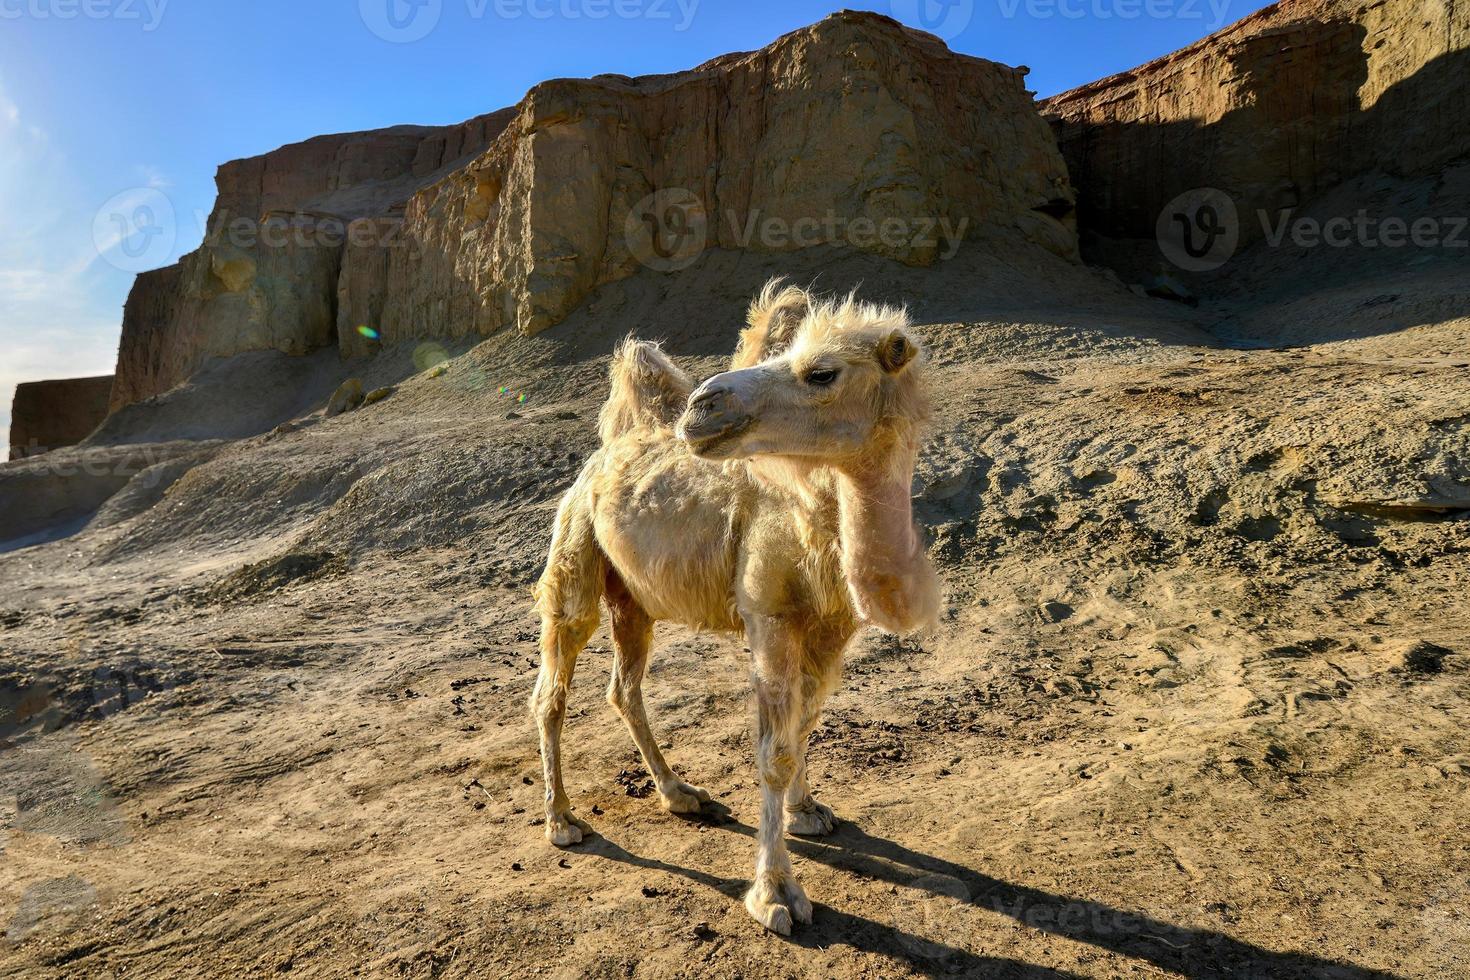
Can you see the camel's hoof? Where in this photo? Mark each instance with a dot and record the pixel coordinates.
(565, 831)
(775, 901)
(819, 821)
(684, 798)
(796, 900)
(776, 918)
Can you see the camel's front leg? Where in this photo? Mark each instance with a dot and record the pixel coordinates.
(821, 673)
(776, 898)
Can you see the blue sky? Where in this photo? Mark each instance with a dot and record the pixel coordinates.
(145, 98)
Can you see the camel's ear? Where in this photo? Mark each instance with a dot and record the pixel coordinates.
(895, 351)
(773, 320)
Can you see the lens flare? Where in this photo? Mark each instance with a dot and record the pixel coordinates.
(368, 332)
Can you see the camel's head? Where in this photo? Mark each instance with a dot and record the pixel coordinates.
(837, 387)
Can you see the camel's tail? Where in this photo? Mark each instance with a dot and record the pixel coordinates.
(648, 390)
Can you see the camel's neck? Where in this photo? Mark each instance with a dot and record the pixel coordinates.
(892, 583)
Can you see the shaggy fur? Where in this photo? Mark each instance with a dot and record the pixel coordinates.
(777, 507)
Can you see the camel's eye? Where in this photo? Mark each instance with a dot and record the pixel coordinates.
(820, 377)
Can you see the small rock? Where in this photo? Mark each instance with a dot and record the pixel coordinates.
(347, 397)
(703, 932)
(378, 394)
(517, 867)
(1165, 286)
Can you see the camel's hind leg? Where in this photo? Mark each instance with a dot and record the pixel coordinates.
(632, 634)
(567, 596)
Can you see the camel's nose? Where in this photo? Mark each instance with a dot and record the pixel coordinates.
(715, 412)
(712, 396)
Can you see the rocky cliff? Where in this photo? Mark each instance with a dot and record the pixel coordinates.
(50, 414)
(1273, 110)
(266, 276)
(828, 136)
(855, 131)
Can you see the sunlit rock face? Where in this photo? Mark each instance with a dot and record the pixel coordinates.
(266, 277)
(855, 131)
(1272, 110)
(47, 415)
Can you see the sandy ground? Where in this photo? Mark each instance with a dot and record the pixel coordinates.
(1197, 706)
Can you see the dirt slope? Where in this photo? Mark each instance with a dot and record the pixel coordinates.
(1197, 706)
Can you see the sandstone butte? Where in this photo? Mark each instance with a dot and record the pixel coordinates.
(1273, 110)
(511, 219)
(49, 414)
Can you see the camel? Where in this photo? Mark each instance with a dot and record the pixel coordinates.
(772, 501)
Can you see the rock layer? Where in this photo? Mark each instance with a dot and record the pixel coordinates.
(51, 414)
(1273, 110)
(266, 276)
(855, 131)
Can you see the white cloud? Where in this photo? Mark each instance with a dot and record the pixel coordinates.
(153, 177)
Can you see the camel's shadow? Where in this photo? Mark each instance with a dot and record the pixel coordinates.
(966, 895)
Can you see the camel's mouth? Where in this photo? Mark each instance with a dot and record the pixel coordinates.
(712, 442)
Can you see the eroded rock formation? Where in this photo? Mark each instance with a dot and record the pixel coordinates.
(266, 276)
(1273, 110)
(47, 415)
(855, 131)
